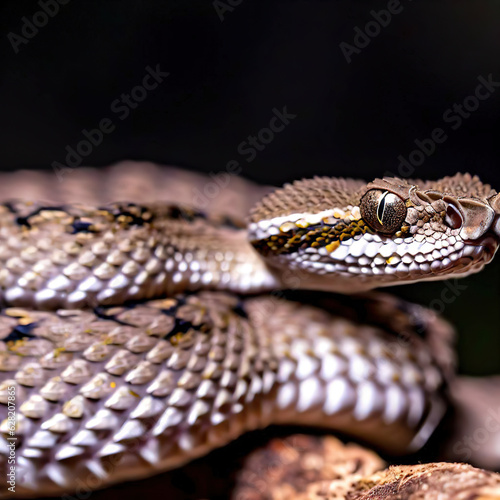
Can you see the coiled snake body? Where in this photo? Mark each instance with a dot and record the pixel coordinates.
(133, 339)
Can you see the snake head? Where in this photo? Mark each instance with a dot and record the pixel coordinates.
(346, 236)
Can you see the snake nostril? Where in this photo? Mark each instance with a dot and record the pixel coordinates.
(453, 217)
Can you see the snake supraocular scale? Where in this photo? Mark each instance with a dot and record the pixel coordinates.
(131, 346)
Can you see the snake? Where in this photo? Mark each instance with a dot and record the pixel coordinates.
(138, 335)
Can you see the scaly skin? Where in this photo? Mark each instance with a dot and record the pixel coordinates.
(121, 392)
(315, 227)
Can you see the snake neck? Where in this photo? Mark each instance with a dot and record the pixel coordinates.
(216, 258)
(73, 256)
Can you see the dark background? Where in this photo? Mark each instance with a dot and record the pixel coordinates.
(225, 79)
(227, 76)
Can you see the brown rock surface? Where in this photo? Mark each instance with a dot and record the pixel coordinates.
(314, 468)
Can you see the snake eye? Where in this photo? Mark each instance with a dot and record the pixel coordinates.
(383, 211)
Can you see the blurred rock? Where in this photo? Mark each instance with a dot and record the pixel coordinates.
(322, 468)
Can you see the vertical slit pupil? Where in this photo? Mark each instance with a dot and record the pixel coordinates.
(381, 208)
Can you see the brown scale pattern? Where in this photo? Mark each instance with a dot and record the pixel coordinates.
(133, 390)
(309, 195)
(141, 182)
(145, 386)
(323, 193)
(460, 185)
(75, 256)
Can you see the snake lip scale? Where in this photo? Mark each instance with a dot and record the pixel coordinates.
(137, 336)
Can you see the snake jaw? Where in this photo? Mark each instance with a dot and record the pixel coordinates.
(494, 203)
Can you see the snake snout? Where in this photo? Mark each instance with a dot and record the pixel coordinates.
(488, 245)
(495, 228)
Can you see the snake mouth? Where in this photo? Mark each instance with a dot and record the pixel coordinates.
(366, 260)
(472, 258)
(486, 246)
(474, 255)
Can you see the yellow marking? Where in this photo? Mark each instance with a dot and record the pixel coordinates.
(25, 321)
(302, 223)
(286, 226)
(58, 351)
(175, 339)
(332, 246)
(133, 393)
(15, 312)
(168, 303)
(14, 345)
(112, 384)
(391, 260)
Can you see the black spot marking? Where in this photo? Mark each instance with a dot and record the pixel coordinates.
(136, 215)
(313, 236)
(190, 215)
(180, 326)
(21, 332)
(80, 226)
(239, 309)
(100, 312)
(172, 311)
(24, 220)
(186, 214)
